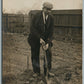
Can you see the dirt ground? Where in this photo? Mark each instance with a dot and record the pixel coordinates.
(17, 67)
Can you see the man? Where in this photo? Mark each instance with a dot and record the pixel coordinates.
(41, 32)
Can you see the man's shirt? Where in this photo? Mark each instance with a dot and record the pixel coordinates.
(45, 17)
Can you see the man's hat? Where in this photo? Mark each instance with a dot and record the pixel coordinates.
(47, 5)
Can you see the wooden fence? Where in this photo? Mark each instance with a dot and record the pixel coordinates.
(15, 23)
(67, 23)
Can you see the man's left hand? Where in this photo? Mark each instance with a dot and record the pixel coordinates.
(45, 47)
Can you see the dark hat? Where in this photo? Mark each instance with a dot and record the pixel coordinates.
(47, 5)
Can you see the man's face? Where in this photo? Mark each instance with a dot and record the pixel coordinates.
(47, 11)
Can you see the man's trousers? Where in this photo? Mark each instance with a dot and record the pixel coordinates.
(36, 61)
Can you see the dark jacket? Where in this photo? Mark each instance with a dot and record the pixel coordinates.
(40, 30)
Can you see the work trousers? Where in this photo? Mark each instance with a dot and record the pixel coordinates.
(36, 61)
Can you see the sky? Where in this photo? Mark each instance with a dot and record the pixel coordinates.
(13, 6)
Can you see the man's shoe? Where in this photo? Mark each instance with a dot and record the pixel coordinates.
(36, 74)
(51, 74)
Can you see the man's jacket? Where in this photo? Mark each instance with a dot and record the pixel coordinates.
(40, 30)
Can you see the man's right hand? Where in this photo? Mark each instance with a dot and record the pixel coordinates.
(42, 41)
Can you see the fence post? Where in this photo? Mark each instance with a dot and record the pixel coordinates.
(7, 23)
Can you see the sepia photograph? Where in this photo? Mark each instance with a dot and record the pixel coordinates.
(42, 41)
